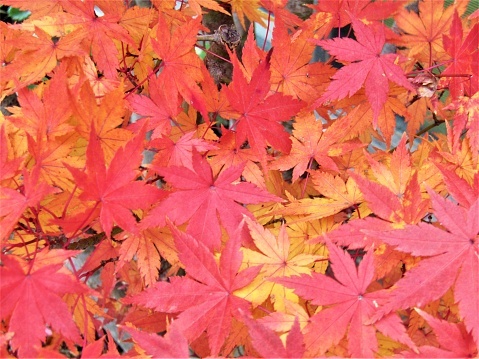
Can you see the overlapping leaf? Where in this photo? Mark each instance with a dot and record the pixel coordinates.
(258, 115)
(277, 260)
(202, 200)
(453, 263)
(205, 298)
(351, 306)
(114, 190)
(368, 66)
(32, 299)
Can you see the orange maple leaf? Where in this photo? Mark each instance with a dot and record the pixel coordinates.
(424, 31)
(175, 47)
(311, 142)
(291, 70)
(46, 50)
(97, 34)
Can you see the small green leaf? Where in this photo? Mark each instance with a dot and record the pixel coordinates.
(17, 14)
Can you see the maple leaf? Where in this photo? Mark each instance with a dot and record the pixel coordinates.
(103, 251)
(205, 298)
(148, 247)
(97, 34)
(38, 8)
(95, 349)
(454, 260)
(338, 195)
(281, 10)
(350, 234)
(369, 67)
(310, 143)
(227, 155)
(277, 260)
(282, 322)
(343, 11)
(200, 199)
(386, 122)
(179, 153)
(45, 115)
(49, 156)
(257, 115)
(8, 167)
(98, 60)
(466, 119)
(32, 299)
(461, 52)
(269, 345)
(291, 71)
(349, 304)
(424, 30)
(14, 203)
(249, 10)
(453, 338)
(47, 52)
(115, 188)
(172, 345)
(397, 197)
(216, 102)
(106, 115)
(175, 47)
(161, 107)
(209, 4)
(251, 56)
(8, 51)
(137, 21)
(459, 188)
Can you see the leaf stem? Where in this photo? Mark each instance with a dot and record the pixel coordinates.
(212, 53)
(267, 31)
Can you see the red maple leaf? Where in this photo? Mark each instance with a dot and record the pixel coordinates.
(172, 345)
(348, 304)
(368, 66)
(161, 107)
(179, 153)
(268, 344)
(258, 115)
(343, 11)
(454, 260)
(205, 297)
(453, 338)
(115, 189)
(14, 203)
(32, 295)
(228, 155)
(462, 63)
(95, 349)
(459, 188)
(201, 198)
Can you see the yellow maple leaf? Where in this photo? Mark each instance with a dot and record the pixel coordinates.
(275, 254)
